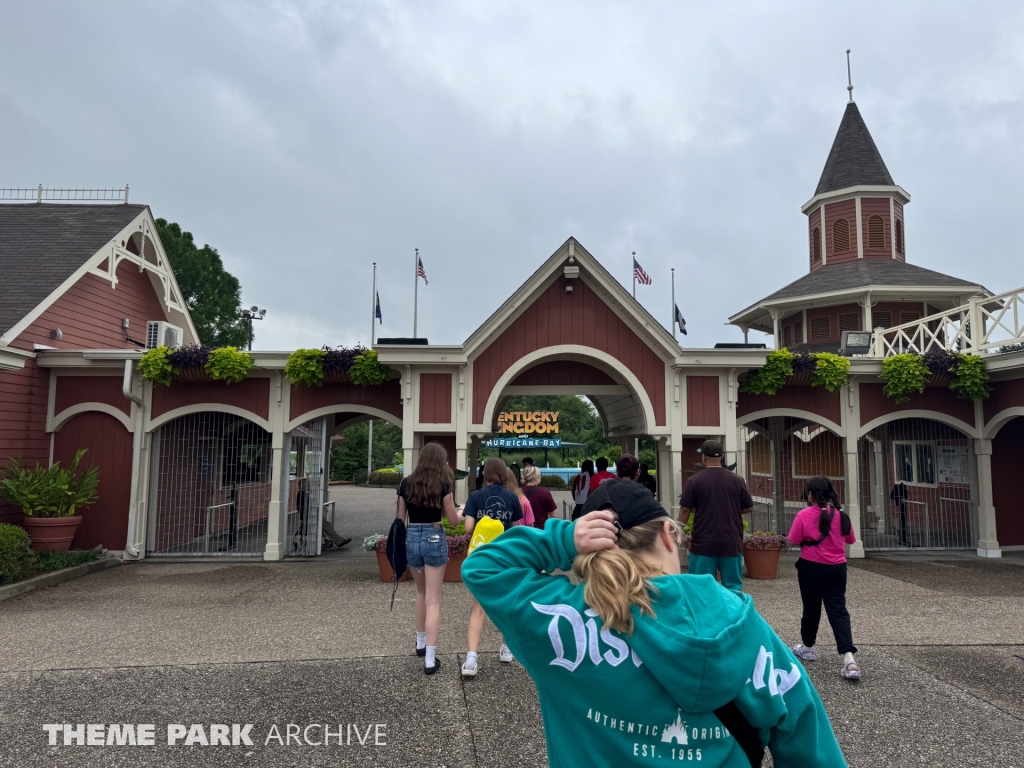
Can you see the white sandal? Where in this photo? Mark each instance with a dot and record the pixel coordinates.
(850, 671)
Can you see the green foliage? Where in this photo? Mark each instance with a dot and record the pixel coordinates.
(212, 294)
(154, 366)
(349, 458)
(17, 560)
(903, 374)
(229, 365)
(970, 379)
(306, 366)
(769, 380)
(55, 561)
(456, 530)
(552, 481)
(52, 492)
(367, 371)
(830, 371)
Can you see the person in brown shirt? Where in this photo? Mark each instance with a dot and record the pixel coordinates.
(717, 498)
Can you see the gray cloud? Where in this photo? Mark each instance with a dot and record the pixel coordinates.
(306, 139)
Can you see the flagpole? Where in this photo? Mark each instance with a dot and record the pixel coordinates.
(415, 290)
(373, 337)
(674, 323)
(634, 274)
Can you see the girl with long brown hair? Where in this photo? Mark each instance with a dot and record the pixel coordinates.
(423, 497)
(635, 663)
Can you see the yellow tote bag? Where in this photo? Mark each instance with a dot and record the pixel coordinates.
(485, 530)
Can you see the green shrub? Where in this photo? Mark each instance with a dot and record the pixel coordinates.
(52, 492)
(154, 366)
(55, 561)
(229, 365)
(383, 477)
(552, 481)
(306, 366)
(17, 560)
(768, 380)
(830, 371)
(903, 374)
(367, 371)
(970, 379)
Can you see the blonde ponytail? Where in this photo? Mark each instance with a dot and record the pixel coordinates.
(617, 579)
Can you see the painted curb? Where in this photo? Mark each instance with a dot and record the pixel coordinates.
(55, 577)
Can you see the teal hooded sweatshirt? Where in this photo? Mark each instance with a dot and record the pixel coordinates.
(648, 698)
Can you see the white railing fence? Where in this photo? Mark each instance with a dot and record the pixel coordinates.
(982, 325)
(70, 194)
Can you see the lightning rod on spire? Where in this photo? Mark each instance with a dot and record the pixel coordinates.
(849, 77)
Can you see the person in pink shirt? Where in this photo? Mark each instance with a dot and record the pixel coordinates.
(822, 530)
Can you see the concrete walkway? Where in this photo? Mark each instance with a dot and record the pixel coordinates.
(312, 642)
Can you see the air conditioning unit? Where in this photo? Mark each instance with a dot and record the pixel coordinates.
(161, 334)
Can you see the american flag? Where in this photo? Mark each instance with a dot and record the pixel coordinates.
(420, 271)
(639, 275)
(680, 321)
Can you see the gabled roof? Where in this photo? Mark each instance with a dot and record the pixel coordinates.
(43, 244)
(854, 159)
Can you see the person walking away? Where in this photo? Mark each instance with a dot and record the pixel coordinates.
(717, 498)
(603, 475)
(524, 503)
(423, 498)
(628, 467)
(529, 462)
(646, 480)
(539, 497)
(494, 500)
(635, 664)
(581, 487)
(822, 530)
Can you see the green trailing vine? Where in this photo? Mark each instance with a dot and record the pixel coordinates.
(154, 366)
(768, 380)
(830, 371)
(306, 366)
(367, 370)
(970, 379)
(228, 364)
(903, 375)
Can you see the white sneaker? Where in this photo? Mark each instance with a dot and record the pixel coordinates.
(505, 655)
(804, 653)
(469, 669)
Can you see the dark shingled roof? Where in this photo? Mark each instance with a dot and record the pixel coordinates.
(854, 158)
(42, 244)
(862, 273)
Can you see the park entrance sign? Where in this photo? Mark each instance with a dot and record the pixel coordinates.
(528, 423)
(525, 442)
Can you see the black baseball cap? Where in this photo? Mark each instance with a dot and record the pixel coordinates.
(711, 448)
(632, 501)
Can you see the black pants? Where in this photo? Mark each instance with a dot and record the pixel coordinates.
(820, 583)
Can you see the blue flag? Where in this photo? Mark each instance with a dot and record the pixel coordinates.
(377, 313)
(680, 321)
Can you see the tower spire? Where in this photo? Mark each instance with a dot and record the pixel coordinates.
(849, 77)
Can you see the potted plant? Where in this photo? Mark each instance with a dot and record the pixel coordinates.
(940, 363)
(458, 548)
(50, 498)
(378, 543)
(337, 362)
(188, 363)
(761, 552)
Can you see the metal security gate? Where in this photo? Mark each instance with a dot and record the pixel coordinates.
(307, 489)
(210, 476)
(780, 455)
(918, 487)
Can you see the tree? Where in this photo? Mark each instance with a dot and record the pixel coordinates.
(349, 458)
(212, 294)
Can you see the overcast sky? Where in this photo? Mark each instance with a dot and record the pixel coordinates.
(305, 140)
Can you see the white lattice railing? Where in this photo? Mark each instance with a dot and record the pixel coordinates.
(40, 193)
(979, 326)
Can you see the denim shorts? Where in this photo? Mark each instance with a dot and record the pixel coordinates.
(426, 545)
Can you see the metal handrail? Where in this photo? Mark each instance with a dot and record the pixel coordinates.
(209, 515)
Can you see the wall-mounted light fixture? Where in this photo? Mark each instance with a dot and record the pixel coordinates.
(56, 333)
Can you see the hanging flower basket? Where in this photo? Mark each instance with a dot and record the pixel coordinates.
(336, 377)
(938, 380)
(801, 378)
(196, 373)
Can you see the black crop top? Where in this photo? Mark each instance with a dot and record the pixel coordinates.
(418, 514)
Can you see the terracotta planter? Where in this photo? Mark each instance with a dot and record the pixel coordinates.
(453, 570)
(762, 563)
(51, 534)
(336, 377)
(386, 572)
(193, 373)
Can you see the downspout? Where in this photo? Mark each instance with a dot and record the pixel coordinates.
(131, 546)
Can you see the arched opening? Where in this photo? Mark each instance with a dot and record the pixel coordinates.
(918, 486)
(210, 486)
(1007, 459)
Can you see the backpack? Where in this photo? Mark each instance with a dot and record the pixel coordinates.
(395, 550)
(487, 529)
